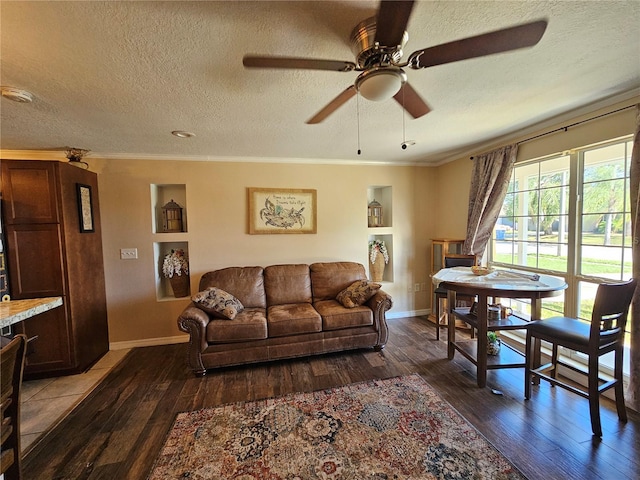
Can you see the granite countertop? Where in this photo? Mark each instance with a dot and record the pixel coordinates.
(15, 311)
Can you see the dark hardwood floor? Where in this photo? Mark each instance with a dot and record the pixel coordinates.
(117, 432)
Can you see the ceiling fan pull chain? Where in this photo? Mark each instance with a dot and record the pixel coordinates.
(358, 119)
(404, 139)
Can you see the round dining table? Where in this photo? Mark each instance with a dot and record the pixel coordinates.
(496, 285)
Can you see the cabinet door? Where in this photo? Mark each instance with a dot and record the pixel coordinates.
(35, 260)
(49, 348)
(29, 192)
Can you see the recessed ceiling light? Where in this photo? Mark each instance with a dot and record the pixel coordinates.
(183, 134)
(16, 94)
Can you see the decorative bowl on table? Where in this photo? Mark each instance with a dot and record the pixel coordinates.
(480, 270)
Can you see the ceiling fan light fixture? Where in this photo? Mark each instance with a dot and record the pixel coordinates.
(366, 49)
(380, 83)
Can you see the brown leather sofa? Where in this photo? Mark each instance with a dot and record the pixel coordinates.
(289, 311)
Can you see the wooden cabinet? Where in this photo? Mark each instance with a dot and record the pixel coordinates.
(49, 255)
(35, 260)
(440, 247)
(29, 192)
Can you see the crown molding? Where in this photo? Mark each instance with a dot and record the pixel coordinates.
(33, 155)
(58, 155)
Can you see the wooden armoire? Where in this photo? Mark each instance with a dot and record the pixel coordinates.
(52, 253)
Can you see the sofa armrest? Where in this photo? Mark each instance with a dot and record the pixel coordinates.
(380, 303)
(194, 321)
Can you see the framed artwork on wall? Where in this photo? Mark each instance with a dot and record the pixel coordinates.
(281, 210)
(85, 208)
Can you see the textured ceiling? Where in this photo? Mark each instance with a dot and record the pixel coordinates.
(117, 77)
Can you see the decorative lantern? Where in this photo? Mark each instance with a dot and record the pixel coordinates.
(375, 214)
(172, 217)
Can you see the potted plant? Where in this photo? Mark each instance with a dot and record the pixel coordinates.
(175, 267)
(378, 258)
(493, 343)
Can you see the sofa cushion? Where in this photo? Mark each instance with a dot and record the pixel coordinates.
(250, 324)
(244, 283)
(330, 278)
(218, 303)
(286, 284)
(293, 319)
(358, 293)
(335, 316)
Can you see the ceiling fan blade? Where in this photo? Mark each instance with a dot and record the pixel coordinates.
(512, 38)
(391, 22)
(333, 105)
(413, 103)
(293, 62)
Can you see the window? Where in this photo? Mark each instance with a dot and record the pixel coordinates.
(569, 215)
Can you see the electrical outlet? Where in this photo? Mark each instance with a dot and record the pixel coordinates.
(416, 287)
(128, 253)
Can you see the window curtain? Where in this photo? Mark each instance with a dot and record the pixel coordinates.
(489, 182)
(633, 394)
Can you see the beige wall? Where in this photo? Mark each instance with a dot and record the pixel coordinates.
(428, 202)
(217, 230)
(452, 182)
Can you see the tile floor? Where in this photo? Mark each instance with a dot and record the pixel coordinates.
(45, 402)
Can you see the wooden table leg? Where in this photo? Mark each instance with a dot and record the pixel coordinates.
(536, 314)
(451, 324)
(481, 360)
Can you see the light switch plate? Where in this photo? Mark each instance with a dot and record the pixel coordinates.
(128, 253)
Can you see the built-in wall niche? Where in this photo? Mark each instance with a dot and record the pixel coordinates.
(169, 208)
(379, 201)
(164, 289)
(388, 269)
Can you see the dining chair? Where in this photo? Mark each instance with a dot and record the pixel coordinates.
(452, 260)
(12, 356)
(603, 334)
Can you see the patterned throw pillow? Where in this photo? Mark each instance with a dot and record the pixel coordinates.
(218, 303)
(358, 293)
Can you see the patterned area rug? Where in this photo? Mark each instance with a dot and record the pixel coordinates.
(397, 428)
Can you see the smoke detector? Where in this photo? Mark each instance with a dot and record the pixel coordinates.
(182, 134)
(16, 94)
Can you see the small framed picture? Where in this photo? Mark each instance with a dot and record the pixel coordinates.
(474, 309)
(85, 208)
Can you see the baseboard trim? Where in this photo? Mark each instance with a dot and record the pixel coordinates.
(411, 313)
(148, 342)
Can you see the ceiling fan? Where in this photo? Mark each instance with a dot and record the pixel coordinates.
(377, 43)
